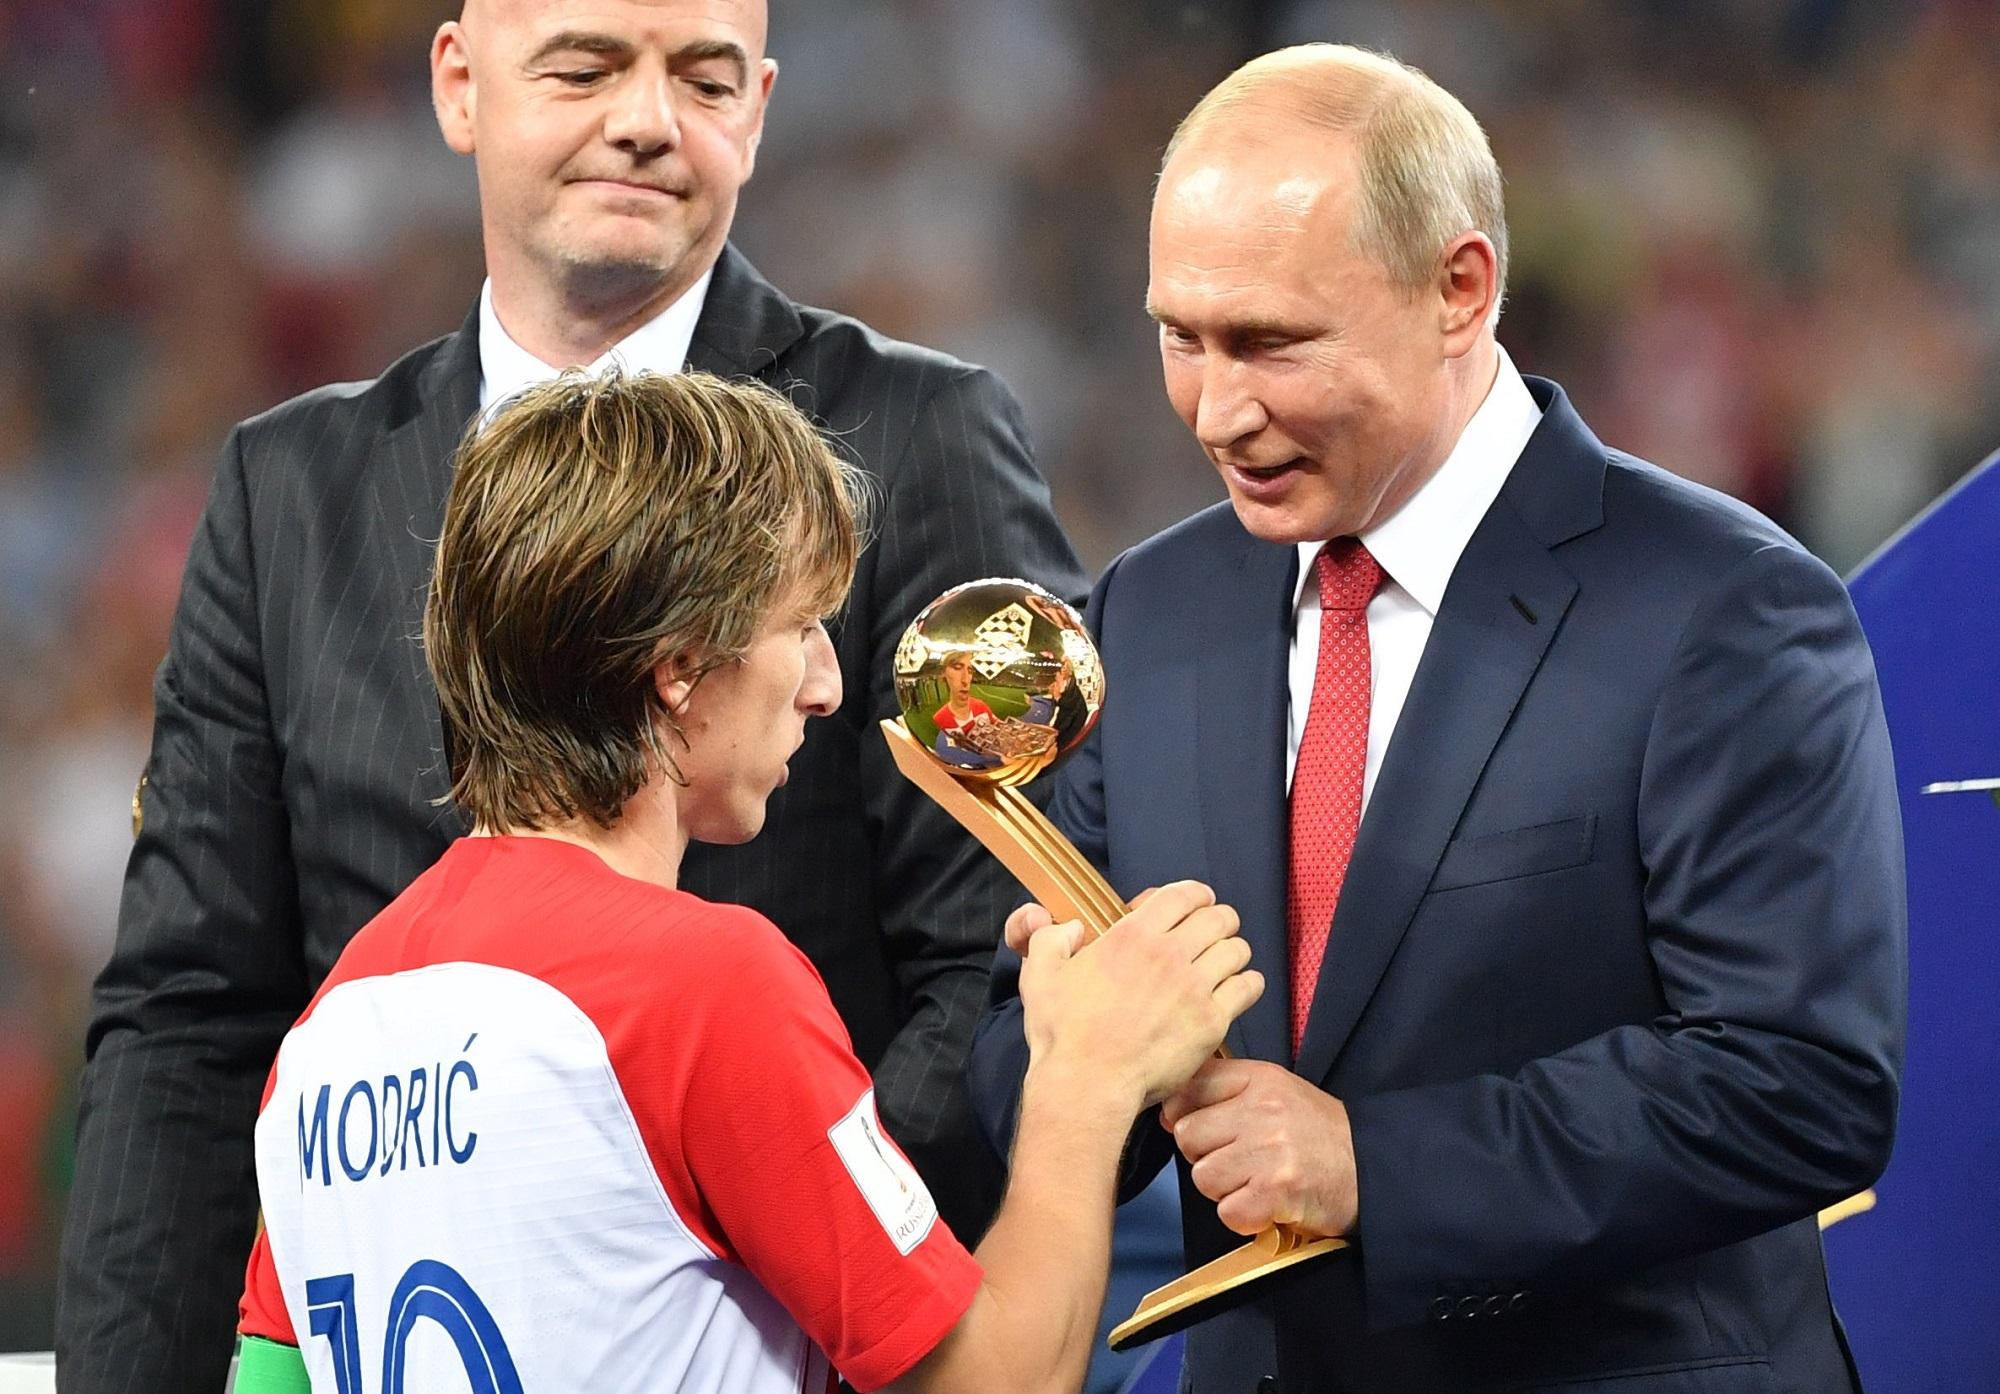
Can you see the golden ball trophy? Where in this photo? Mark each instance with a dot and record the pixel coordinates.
(998, 679)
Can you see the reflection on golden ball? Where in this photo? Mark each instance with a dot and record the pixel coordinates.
(998, 679)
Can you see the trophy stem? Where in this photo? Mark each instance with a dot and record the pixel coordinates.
(1063, 880)
(1052, 850)
(1015, 832)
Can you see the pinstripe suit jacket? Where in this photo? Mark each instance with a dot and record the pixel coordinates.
(296, 760)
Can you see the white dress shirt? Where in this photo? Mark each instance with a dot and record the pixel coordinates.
(660, 345)
(1417, 547)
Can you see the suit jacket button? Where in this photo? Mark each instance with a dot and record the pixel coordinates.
(1517, 1301)
(1468, 1307)
(1496, 1305)
(1268, 1385)
(1441, 1309)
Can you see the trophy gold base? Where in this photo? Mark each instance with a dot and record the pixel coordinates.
(1847, 1209)
(1218, 1285)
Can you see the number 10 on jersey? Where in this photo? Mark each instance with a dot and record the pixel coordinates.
(429, 1291)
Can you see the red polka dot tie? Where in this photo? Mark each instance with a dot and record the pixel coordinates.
(1333, 755)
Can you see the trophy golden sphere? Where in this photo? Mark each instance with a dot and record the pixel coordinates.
(998, 679)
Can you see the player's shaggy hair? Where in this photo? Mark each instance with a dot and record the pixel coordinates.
(599, 526)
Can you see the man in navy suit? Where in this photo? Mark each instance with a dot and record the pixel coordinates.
(1589, 880)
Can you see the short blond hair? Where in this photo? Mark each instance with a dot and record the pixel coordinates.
(597, 526)
(1427, 171)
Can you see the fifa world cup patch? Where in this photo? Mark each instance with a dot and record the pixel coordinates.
(891, 1186)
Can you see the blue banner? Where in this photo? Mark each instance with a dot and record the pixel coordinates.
(1915, 1278)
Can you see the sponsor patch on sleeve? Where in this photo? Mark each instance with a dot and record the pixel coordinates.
(885, 1178)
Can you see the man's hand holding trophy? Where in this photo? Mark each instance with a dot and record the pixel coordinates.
(998, 680)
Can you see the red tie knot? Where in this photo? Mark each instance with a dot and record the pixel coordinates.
(1348, 575)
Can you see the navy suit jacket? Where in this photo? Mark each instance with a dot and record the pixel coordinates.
(1615, 990)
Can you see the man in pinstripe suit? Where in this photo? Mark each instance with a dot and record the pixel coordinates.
(296, 769)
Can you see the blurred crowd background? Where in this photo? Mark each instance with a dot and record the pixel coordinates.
(1758, 240)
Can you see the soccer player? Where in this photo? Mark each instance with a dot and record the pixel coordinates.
(552, 1124)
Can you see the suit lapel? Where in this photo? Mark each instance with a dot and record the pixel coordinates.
(1506, 600)
(411, 483)
(1240, 710)
(745, 324)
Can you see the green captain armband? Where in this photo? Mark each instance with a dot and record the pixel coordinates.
(270, 1367)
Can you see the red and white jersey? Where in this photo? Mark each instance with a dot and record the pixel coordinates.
(946, 719)
(547, 1128)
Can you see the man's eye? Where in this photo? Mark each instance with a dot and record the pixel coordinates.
(581, 77)
(710, 88)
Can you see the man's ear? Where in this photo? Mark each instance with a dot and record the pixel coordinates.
(453, 92)
(1468, 286)
(767, 74)
(672, 682)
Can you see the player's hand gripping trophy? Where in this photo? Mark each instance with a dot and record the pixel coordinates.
(998, 679)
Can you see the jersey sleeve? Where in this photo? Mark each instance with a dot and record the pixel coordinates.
(262, 1311)
(783, 1157)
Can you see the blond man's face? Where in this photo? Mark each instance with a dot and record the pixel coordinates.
(958, 677)
(744, 720)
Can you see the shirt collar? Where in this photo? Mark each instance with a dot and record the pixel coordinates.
(660, 345)
(1418, 546)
